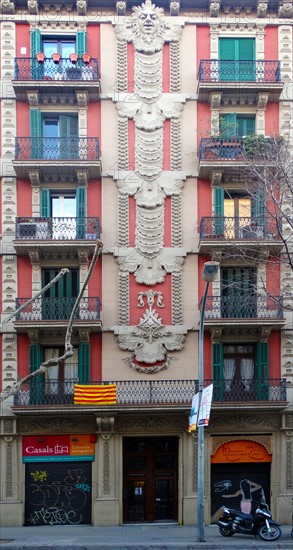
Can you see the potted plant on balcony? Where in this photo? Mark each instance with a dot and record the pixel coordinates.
(86, 57)
(73, 58)
(41, 57)
(254, 145)
(56, 58)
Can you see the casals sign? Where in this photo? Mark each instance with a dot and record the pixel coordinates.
(58, 448)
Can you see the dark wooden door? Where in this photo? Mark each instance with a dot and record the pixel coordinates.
(150, 484)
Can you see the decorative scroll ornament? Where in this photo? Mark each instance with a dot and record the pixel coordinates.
(150, 341)
(149, 108)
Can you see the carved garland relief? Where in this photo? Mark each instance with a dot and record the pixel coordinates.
(149, 108)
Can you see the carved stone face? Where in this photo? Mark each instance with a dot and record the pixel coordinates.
(148, 21)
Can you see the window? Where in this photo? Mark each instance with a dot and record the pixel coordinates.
(67, 210)
(60, 137)
(237, 215)
(237, 59)
(240, 371)
(238, 292)
(60, 379)
(235, 125)
(59, 299)
(64, 45)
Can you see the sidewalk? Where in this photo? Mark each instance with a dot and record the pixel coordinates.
(131, 537)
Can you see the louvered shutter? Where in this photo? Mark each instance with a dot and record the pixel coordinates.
(84, 362)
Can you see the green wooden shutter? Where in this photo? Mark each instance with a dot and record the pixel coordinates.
(37, 383)
(227, 53)
(45, 210)
(68, 132)
(246, 53)
(36, 42)
(228, 125)
(218, 225)
(83, 362)
(36, 47)
(80, 212)
(259, 207)
(35, 134)
(80, 43)
(218, 371)
(245, 126)
(262, 371)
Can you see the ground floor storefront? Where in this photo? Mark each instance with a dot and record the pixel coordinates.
(141, 467)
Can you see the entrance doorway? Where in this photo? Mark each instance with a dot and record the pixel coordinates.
(150, 480)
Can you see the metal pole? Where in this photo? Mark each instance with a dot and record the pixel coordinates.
(200, 436)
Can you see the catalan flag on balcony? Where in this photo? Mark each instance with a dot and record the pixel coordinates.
(98, 394)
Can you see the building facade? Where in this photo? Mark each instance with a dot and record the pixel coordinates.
(125, 122)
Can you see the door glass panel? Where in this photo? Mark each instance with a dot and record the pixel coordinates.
(164, 462)
(64, 208)
(50, 142)
(137, 462)
(164, 507)
(136, 501)
(66, 49)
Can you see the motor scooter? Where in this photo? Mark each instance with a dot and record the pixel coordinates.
(261, 523)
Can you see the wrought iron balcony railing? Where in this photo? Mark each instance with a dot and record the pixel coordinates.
(63, 148)
(221, 149)
(215, 70)
(29, 69)
(218, 228)
(247, 390)
(244, 305)
(53, 309)
(48, 229)
(41, 391)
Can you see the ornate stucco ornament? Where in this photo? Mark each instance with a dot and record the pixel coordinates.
(149, 108)
(150, 341)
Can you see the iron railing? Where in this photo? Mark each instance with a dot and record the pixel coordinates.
(153, 392)
(62, 148)
(244, 305)
(29, 69)
(53, 309)
(48, 229)
(216, 70)
(221, 149)
(243, 228)
(247, 390)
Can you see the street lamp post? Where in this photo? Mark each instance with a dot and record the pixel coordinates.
(210, 271)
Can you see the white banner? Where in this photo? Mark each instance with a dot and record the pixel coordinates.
(193, 414)
(205, 406)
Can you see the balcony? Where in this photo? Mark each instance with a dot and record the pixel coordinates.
(43, 235)
(70, 154)
(271, 392)
(55, 312)
(230, 77)
(46, 78)
(219, 233)
(150, 394)
(226, 155)
(245, 310)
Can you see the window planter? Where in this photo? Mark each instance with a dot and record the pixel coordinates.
(56, 58)
(41, 57)
(73, 58)
(86, 57)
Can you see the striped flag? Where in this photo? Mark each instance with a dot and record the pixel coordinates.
(95, 394)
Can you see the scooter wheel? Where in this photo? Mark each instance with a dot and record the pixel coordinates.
(271, 534)
(226, 532)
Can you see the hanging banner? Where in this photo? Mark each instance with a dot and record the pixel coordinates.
(193, 414)
(205, 406)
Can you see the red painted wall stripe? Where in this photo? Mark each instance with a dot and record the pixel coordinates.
(166, 68)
